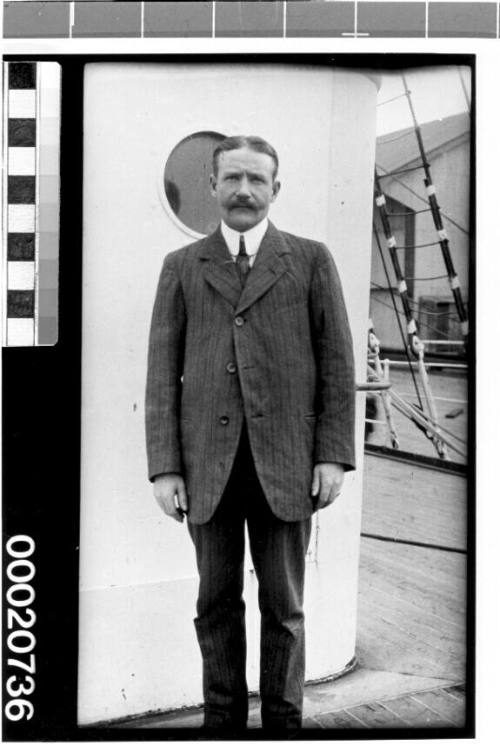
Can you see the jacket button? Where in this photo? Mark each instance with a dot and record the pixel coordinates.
(239, 321)
(231, 368)
(224, 420)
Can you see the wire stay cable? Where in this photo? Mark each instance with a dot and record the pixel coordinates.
(397, 313)
(423, 198)
(432, 327)
(436, 216)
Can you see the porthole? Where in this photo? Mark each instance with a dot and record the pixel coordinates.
(186, 181)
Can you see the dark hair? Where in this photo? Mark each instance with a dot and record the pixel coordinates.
(238, 142)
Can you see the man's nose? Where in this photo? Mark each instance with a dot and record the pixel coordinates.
(244, 187)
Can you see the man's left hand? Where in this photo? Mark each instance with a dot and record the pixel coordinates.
(327, 483)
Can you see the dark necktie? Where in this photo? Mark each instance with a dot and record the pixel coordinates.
(243, 261)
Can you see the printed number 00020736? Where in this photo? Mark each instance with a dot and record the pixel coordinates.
(20, 639)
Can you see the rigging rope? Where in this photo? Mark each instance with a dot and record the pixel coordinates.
(404, 170)
(427, 422)
(432, 327)
(414, 301)
(427, 279)
(464, 88)
(422, 198)
(420, 245)
(385, 102)
(436, 216)
(408, 214)
(397, 316)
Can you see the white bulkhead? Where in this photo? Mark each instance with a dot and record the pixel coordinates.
(138, 650)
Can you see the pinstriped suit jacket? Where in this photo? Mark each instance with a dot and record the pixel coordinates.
(277, 353)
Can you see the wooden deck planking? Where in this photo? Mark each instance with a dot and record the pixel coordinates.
(450, 709)
(375, 715)
(340, 720)
(401, 657)
(430, 579)
(436, 708)
(365, 686)
(414, 713)
(412, 599)
(413, 503)
(458, 693)
(414, 525)
(451, 563)
(411, 613)
(444, 634)
(403, 611)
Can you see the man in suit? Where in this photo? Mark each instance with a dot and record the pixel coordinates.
(249, 418)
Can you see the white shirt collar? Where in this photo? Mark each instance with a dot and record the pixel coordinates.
(253, 237)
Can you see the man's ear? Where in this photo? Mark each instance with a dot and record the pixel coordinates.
(213, 184)
(276, 189)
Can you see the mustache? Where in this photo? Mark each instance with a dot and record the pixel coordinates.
(245, 204)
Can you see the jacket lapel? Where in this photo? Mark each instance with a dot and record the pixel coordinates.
(221, 273)
(267, 269)
(219, 269)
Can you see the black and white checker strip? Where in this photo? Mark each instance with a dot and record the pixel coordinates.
(20, 202)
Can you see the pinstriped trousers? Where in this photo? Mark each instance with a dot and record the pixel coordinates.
(278, 550)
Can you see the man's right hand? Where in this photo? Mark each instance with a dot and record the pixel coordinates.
(168, 487)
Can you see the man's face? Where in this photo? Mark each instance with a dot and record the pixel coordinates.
(244, 187)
